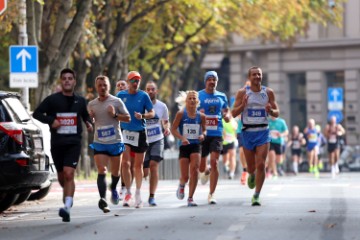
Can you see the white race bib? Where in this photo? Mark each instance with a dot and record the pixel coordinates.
(191, 131)
(131, 138)
(68, 122)
(106, 133)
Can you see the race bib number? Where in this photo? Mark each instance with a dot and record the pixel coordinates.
(68, 122)
(274, 134)
(312, 137)
(296, 144)
(256, 115)
(191, 131)
(212, 122)
(131, 138)
(228, 137)
(106, 133)
(154, 133)
(332, 139)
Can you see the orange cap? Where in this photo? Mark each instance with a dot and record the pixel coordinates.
(133, 75)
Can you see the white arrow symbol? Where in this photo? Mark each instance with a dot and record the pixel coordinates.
(335, 93)
(23, 54)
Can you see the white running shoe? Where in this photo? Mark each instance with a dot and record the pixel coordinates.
(138, 201)
(211, 199)
(204, 177)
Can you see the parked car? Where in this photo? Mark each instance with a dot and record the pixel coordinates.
(23, 163)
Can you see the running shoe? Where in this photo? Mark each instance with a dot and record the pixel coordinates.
(251, 181)
(152, 202)
(316, 172)
(321, 166)
(180, 192)
(337, 169)
(191, 203)
(65, 214)
(204, 177)
(211, 199)
(122, 193)
(114, 197)
(311, 169)
(138, 201)
(255, 201)
(127, 200)
(103, 205)
(243, 178)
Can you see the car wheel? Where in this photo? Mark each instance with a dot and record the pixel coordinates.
(40, 194)
(6, 200)
(22, 197)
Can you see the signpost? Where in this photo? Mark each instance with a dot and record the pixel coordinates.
(3, 5)
(335, 103)
(335, 99)
(23, 66)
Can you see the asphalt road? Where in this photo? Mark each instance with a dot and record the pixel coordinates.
(300, 207)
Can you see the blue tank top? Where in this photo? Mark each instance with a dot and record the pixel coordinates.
(312, 138)
(190, 127)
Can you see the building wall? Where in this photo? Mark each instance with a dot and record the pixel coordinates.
(324, 49)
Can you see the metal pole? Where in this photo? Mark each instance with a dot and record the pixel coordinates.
(23, 40)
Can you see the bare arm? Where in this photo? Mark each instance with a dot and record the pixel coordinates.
(240, 102)
(175, 126)
(272, 107)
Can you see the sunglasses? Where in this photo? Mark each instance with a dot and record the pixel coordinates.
(134, 80)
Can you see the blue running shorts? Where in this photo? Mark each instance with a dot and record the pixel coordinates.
(114, 149)
(251, 140)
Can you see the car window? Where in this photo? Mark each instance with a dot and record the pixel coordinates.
(18, 109)
(4, 117)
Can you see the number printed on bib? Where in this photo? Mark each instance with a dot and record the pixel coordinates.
(212, 122)
(191, 131)
(68, 122)
(131, 138)
(256, 115)
(106, 133)
(154, 133)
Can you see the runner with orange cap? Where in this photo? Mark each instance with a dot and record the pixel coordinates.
(140, 108)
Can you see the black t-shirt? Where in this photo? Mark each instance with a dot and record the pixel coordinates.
(69, 111)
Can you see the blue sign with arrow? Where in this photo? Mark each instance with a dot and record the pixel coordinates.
(24, 59)
(335, 113)
(335, 98)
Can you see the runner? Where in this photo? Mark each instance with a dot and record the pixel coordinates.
(229, 151)
(107, 110)
(296, 141)
(140, 108)
(255, 102)
(214, 105)
(278, 132)
(63, 111)
(311, 136)
(333, 132)
(189, 127)
(154, 126)
(242, 160)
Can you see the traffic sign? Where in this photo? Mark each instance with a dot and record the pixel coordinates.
(335, 99)
(335, 113)
(3, 5)
(24, 66)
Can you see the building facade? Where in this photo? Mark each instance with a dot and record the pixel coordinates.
(304, 75)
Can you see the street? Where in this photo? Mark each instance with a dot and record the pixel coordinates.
(293, 207)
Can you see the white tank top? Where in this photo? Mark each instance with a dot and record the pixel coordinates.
(254, 116)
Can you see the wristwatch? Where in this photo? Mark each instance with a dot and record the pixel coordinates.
(116, 115)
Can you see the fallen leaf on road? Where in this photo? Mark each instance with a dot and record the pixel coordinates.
(312, 211)
(207, 223)
(332, 225)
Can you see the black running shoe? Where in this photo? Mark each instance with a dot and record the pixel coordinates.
(103, 205)
(65, 214)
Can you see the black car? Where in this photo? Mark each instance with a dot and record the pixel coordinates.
(23, 162)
